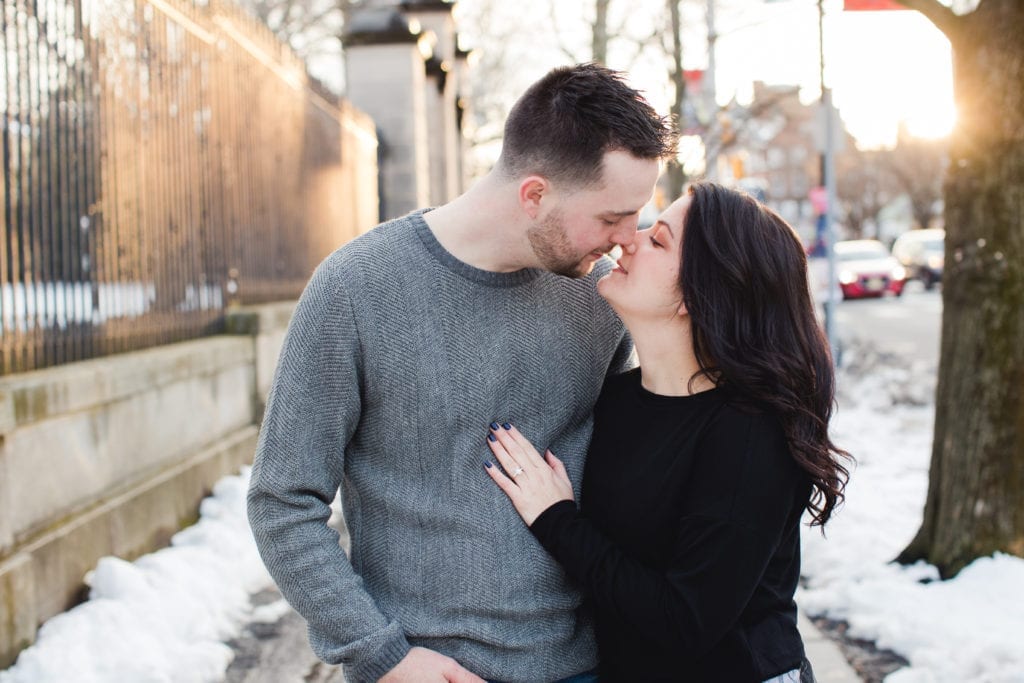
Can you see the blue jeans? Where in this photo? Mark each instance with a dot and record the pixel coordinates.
(585, 677)
(805, 674)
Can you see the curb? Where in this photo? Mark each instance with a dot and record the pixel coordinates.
(828, 662)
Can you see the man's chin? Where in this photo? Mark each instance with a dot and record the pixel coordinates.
(579, 270)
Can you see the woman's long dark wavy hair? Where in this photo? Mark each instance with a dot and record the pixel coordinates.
(743, 277)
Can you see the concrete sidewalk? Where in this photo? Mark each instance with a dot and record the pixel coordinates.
(279, 653)
(828, 662)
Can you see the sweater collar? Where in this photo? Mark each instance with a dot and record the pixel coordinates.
(463, 269)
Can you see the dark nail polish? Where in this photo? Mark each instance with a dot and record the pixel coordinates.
(492, 437)
(494, 425)
(487, 464)
(507, 426)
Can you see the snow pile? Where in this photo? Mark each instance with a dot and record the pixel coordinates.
(970, 628)
(163, 618)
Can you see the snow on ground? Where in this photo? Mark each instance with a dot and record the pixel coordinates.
(970, 628)
(164, 618)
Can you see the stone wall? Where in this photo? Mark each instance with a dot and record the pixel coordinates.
(112, 457)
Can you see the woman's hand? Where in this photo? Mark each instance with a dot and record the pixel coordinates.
(533, 483)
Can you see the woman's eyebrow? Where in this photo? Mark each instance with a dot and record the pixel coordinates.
(661, 222)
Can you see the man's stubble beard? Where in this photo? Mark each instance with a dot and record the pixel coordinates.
(550, 242)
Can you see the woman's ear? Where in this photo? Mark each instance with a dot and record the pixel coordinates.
(682, 310)
(531, 192)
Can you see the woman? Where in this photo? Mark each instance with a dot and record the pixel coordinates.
(703, 459)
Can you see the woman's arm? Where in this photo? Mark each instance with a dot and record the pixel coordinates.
(717, 559)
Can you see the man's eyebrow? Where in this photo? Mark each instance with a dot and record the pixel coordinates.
(621, 213)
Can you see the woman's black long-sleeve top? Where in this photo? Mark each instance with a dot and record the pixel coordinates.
(687, 541)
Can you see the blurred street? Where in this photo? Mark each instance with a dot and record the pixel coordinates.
(908, 326)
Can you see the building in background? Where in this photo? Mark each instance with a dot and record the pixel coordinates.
(775, 153)
(405, 69)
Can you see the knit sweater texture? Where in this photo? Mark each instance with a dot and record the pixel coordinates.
(396, 359)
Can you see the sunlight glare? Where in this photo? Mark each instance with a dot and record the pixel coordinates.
(890, 67)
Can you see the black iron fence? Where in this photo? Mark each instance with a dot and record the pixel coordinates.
(162, 159)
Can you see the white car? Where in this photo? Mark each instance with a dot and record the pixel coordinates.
(866, 268)
(922, 253)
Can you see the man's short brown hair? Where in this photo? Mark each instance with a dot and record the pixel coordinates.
(564, 123)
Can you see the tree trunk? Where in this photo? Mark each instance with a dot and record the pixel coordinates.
(674, 172)
(922, 210)
(599, 42)
(975, 503)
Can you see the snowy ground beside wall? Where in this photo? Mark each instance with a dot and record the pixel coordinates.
(165, 617)
(970, 628)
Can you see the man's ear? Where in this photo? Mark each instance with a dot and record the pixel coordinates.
(532, 191)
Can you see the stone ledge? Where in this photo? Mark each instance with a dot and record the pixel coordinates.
(41, 394)
(54, 468)
(45, 576)
(260, 319)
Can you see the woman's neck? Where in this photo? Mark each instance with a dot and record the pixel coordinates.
(667, 360)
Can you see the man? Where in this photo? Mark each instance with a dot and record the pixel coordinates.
(405, 345)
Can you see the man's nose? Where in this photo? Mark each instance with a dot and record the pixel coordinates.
(626, 232)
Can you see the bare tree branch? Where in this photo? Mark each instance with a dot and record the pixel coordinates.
(558, 36)
(304, 23)
(286, 14)
(940, 15)
(640, 44)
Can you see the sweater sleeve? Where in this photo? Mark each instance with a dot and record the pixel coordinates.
(312, 413)
(716, 562)
(625, 356)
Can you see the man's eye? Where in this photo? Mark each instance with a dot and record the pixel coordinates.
(609, 222)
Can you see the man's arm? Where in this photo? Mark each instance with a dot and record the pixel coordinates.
(312, 412)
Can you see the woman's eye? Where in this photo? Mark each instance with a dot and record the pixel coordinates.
(655, 242)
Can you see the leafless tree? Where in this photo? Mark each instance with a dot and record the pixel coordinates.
(917, 165)
(609, 41)
(975, 503)
(312, 28)
(865, 186)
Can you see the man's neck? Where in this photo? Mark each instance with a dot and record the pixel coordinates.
(484, 228)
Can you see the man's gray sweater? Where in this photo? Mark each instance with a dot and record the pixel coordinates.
(397, 358)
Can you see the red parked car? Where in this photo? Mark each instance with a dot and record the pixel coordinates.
(866, 268)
